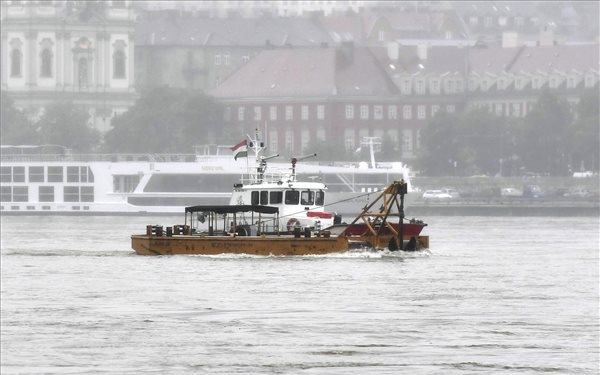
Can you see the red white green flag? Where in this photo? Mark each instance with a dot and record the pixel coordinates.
(240, 150)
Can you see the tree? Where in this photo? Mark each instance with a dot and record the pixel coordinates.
(166, 120)
(16, 129)
(543, 142)
(585, 133)
(439, 152)
(67, 125)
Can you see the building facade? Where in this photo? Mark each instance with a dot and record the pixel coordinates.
(81, 52)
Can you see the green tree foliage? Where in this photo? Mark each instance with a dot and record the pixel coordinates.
(167, 120)
(440, 146)
(543, 142)
(66, 124)
(585, 133)
(16, 129)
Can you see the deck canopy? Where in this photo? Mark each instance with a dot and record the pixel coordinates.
(229, 209)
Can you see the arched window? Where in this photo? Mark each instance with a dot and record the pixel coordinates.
(46, 63)
(16, 59)
(119, 64)
(83, 72)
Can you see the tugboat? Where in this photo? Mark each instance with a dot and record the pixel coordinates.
(247, 229)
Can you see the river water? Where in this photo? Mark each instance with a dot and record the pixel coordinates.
(493, 295)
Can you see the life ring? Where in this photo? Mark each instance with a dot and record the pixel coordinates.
(292, 223)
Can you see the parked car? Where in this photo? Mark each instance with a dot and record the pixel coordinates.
(533, 191)
(511, 192)
(452, 192)
(436, 195)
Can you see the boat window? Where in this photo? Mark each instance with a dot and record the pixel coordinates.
(36, 174)
(87, 194)
(264, 197)
(320, 198)
(72, 174)
(254, 197)
(6, 193)
(71, 194)
(292, 196)
(276, 197)
(20, 194)
(307, 197)
(192, 182)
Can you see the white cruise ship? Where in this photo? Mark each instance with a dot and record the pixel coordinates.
(48, 180)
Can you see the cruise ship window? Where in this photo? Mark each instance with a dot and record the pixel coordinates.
(5, 174)
(72, 174)
(46, 194)
(71, 194)
(18, 174)
(275, 197)
(87, 194)
(320, 198)
(36, 174)
(6, 193)
(55, 174)
(292, 197)
(20, 194)
(264, 197)
(307, 198)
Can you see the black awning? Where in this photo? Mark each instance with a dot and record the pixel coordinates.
(229, 209)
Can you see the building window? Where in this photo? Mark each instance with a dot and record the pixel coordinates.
(273, 113)
(46, 63)
(473, 20)
(571, 82)
(407, 141)
(421, 112)
(378, 112)
(450, 108)
(349, 112)
(406, 86)
(420, 86)
(434, 109)
(273, 140)
(245, 59)
(498, 109)
(364, 112)
(289, 140)
(241, 113)
(119, 65)
(227, 114)
(435, 86)
(393, 112)
(16, 59)
(227, 59)
(381, 35)
(349, 139)
(289, 113)
(516, 109)
(304, 140)
(83, 75)
(217, 59)
(320, 112)
(46, 194)
(257, 113)
(407, 112)
(304, 112)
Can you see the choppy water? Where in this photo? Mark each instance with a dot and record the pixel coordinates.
(492, 296)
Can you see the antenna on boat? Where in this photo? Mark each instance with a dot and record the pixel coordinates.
(295, 160)
(261, 161)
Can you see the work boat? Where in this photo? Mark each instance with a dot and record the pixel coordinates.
(253, 229)
(299, 203)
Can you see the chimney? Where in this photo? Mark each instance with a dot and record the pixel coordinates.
(510, 39)
(422, 51)
(546, 37)
(393, 51)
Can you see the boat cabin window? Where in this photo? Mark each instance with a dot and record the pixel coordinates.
(292, 196)
(254, 198)
(307, 197)
(320, 198)
(276, 197)
(264, 198)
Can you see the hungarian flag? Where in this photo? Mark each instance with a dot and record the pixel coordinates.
(240, 150)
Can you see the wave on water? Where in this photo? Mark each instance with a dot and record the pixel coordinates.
(67, 253)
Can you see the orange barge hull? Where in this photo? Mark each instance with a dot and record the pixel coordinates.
(213, 245)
